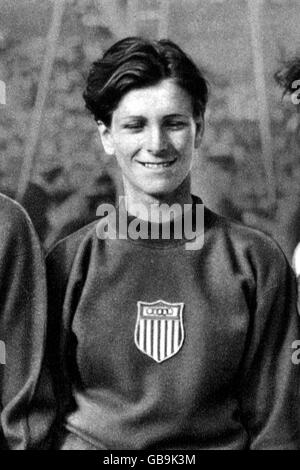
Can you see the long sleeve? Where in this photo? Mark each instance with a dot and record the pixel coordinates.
(270, 392)
(27, 401)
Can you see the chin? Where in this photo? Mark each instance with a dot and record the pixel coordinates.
(160, 191)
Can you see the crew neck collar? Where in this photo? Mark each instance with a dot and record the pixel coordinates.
(184, 229)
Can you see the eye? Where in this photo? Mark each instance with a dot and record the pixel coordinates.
(134, 126)
(176, 124)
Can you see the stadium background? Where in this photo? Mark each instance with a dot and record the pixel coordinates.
(50, 155)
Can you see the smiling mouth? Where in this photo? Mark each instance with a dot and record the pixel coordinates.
(158, 165)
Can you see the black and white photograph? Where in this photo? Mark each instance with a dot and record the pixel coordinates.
(149, 227)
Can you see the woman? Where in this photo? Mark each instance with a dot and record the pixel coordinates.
(25, 418)
(155, 345)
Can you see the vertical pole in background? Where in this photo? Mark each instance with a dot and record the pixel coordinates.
(255, 8)
(132, 17)
(163, 12)
(2, 93)
(160, 15)
(37, 114)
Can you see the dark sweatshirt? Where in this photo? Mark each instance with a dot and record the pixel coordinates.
(154, 346)
(25, 421)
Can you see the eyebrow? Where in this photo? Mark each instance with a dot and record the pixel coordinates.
(176, 115)
(140, 116)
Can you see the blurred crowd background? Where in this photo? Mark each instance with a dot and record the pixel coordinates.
(51, 159)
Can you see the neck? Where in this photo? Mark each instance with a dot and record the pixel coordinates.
(150, 207)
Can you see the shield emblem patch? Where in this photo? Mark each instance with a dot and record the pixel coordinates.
(159, 331)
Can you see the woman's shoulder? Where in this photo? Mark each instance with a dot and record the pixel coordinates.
(241, 234)
(248, 246)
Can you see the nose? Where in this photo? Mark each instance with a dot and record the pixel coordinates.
(157, 140)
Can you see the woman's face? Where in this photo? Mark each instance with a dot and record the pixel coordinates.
(153, 136)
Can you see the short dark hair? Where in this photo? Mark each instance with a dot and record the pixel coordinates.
(134, 63)
(288, 74)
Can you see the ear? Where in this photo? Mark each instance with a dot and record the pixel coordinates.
(199, 131)
(106, 138)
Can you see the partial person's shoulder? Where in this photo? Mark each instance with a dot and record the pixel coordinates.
(11, 211)
(14, 220)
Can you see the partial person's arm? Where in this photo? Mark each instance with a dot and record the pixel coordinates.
(270, 385)
(27, 401)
